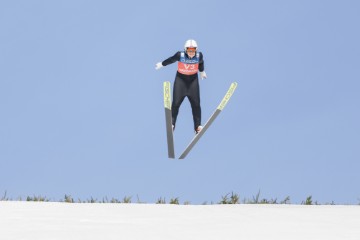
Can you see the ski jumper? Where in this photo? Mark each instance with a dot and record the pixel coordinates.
(186, 84)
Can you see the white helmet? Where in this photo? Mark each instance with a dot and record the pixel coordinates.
(190, 44)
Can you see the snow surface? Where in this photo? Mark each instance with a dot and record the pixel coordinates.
(54, 220)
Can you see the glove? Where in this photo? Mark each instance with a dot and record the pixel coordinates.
(203, 75)
(158, 65)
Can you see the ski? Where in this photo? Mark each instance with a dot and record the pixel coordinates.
(218, 110)
(168, 120)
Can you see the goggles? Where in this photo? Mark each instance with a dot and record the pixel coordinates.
(191, 50)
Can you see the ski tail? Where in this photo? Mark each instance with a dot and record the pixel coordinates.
(218, 110)
(168, 120)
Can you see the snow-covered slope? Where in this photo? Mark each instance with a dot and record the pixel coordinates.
(66, 221)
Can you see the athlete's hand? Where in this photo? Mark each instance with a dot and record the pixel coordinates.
(158, 65)
(203, 75)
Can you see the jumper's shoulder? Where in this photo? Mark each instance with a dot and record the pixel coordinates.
(201, 56)
(177, 54)
(172, 59)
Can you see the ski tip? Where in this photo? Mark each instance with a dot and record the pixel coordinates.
(167, 95)
(227, 96)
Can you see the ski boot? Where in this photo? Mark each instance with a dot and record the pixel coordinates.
(198, 129)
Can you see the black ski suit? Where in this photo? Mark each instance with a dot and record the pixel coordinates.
(186, 86)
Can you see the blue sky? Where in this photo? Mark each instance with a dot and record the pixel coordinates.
(82, 109)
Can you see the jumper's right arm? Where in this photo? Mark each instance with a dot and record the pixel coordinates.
(168, 61)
